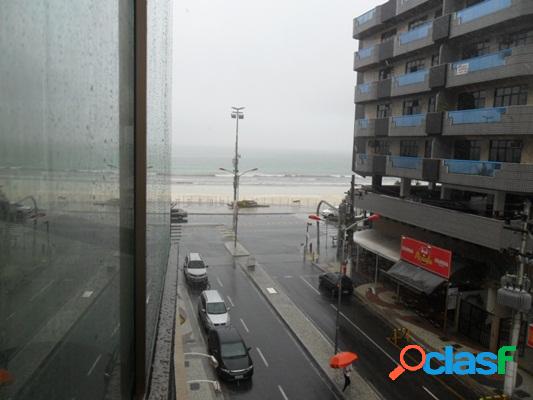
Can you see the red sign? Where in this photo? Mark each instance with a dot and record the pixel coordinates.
(431, 258)
(530, 335)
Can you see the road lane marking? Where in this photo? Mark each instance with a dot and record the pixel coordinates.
(115, 330)
(262, 356)
(10, 316)
(311, 286)
(148, 298)
(271, 290)
(42, 290)
(219, 282)
(245, 327)
(282, 392)
(431, 394)
(288, 276)
(87, 294)
(230, 301)
(94, 365)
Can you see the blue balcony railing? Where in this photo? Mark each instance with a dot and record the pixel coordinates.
(364, 88)
(481, 10)
(365, 53)
(406, 162)
(408, 120)
(412, 78)
(477, 116)
(468, 167)
(361, 159)
(416, 34)
(362, 123)
(481, 63)
(362, 19)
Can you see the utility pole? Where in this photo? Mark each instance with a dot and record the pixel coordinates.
(236, 114)
(306, 239)
(512, 367)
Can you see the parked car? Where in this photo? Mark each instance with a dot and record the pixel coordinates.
(329, 214)
(233, 357)
(178, 215)
(195, 270)
(212, 310)
(330, 281)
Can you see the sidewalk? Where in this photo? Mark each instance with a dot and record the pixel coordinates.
(383, 302)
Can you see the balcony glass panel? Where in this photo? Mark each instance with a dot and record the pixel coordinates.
(480, 63)
(362, 123)
(365, 17)
(467, 167)
(416, 34)
(482, 9)
(477, 116)
(408, 120)
(365, 53)
(406, 162)
(412, 78)
(364, 88)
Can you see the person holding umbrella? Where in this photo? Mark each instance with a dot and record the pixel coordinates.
(346, 371)
(344, 360)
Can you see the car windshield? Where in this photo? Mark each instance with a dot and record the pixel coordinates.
(196, 264)
(216, 308)
(233, 350)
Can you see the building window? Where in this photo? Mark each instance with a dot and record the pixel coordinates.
(411, 107)
(387, 36)
(513, 40)
(432, 104)
(428, 147)
(418, 22)
(384, 73)
(510, 96)
(383, 110)
(467, 150)
(470, 3)
(415, 65)
(435, 59)
(471, 100)
(438, 13)
(505, 151)
(477, 49)
(408, 148)
(381, 147)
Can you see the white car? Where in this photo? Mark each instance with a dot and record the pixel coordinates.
(212, 310)
(328, 213)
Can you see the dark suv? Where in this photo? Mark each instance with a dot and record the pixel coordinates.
(330, 282)
(226, 345)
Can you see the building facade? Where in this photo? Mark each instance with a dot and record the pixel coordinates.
(444, 128)
(84, 195)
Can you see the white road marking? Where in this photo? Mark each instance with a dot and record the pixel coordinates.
(219, 282)
(148, 298)
(311, 286)
(271, 290)
(262, 356)
(245, 327)
(10, 316)
(282, 392)
(87, 294)
(288, 276)
(431, 394)
(42, 290)
(94, 365)
(115, 330)
(230, 301)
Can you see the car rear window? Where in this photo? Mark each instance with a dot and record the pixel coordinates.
(196, 264)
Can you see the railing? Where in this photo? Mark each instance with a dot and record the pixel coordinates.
(416, 34)
(363, 123)
(480, 63)
(477, 116)
(365, 53)
(406, 162)
(361, 159)
(482, 9)
(468, 167)
(364, 87)
(412, 78)
(408, 120)
(365, 17)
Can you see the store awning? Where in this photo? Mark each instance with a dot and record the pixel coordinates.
(415, 277)
(377, 243)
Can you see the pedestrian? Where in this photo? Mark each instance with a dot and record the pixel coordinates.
(346, 372)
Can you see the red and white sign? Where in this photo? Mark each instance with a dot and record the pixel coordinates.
(431, 258)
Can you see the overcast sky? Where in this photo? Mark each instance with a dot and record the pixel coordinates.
(288, 61)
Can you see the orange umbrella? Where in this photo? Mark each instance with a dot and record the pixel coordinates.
(5, 377)
(341, 360)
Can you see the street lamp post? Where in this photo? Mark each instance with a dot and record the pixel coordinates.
(236, 114)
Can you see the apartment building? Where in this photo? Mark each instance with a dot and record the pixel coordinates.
(444, 127)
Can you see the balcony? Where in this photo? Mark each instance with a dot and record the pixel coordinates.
(366, 57)
(368, 20)
(414, 39)
(415, 82)
(513, 120)
(365, 127)
(404, 167)
(368, 164)
(472, 228)
(406, 5)
(408, 125)
(509, 177)
(487, 14)
(366, 92)
(503, 64)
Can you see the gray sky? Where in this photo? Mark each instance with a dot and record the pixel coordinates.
(288, 61)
